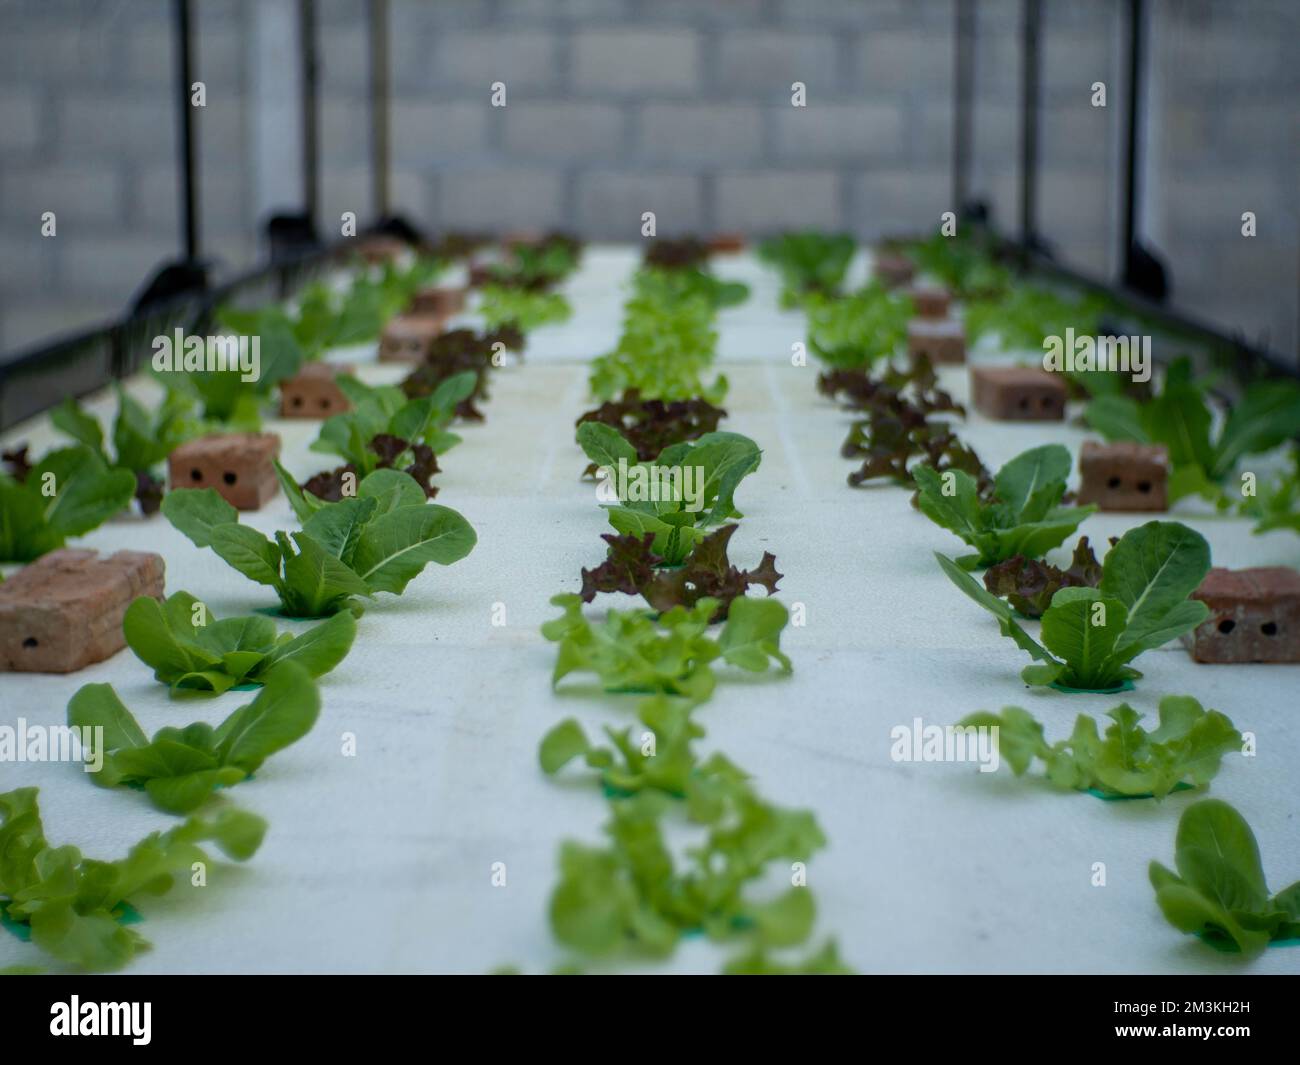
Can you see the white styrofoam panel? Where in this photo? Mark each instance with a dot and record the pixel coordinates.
(382, 862)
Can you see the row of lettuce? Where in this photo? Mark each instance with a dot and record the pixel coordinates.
(691, 848)
(1095, 618)
(366, 527)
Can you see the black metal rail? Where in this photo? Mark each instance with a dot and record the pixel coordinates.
(41, 376)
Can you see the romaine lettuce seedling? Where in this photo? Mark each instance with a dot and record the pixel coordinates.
(194, 653)
(1091, 634)
(1276, 504)
(180, 768)
(699, 477)
(376, 541)
(808, 262)
(1024, 517)
(1185, 749)
(1219, 892)
(225, 395)
(68, 492)
(71, 904)
(1265, 417)
(141, 441)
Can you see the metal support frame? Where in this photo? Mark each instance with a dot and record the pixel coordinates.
(1132, 96)
(310, 112)
(188, 171)
(963, 104)
(1030, 37)
(378, 24)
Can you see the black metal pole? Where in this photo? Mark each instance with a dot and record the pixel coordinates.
(379, 106)
(963, 111)
(310, 134)
(1132, 106)
(1029, 122)
(188, 170)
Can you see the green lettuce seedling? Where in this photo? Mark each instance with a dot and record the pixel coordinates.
(666, 348)
(1276, 504)
(808, 262)
(1265, 417)
(521, 308)
(1025, 315)
(1089, 635)
(67, 493)
(632, 897)
(376, 541)
(386, 412)
(141, 441)
(72, 905)
(224, 394)
(179, 768)
(193, 652)
(670, 766)
(1024, 517)
(714, 465)
(1185, 749)
(825, 961)
(1219, 892)
(635, 651)
(849, 332)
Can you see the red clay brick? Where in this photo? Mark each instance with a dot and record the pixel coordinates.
(237, 465)
(381, 249)
(1017, 393)
(64, 611)
(312, 392)
(893, 269)
(1254, 616)
(930, 301)
(441, 301)
(1124, 476)
(408, 337)
(941, 340)
(727, 243)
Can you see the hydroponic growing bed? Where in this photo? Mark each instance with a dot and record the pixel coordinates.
(411, 829)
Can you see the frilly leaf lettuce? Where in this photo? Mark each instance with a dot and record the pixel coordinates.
(666, 347)
(521, 308)
(1186, 748)
(634, 651)
(71, 903)
(853, 331)
(632, 897)
(671, 766)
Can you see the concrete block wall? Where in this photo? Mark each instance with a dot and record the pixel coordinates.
(616, 107)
